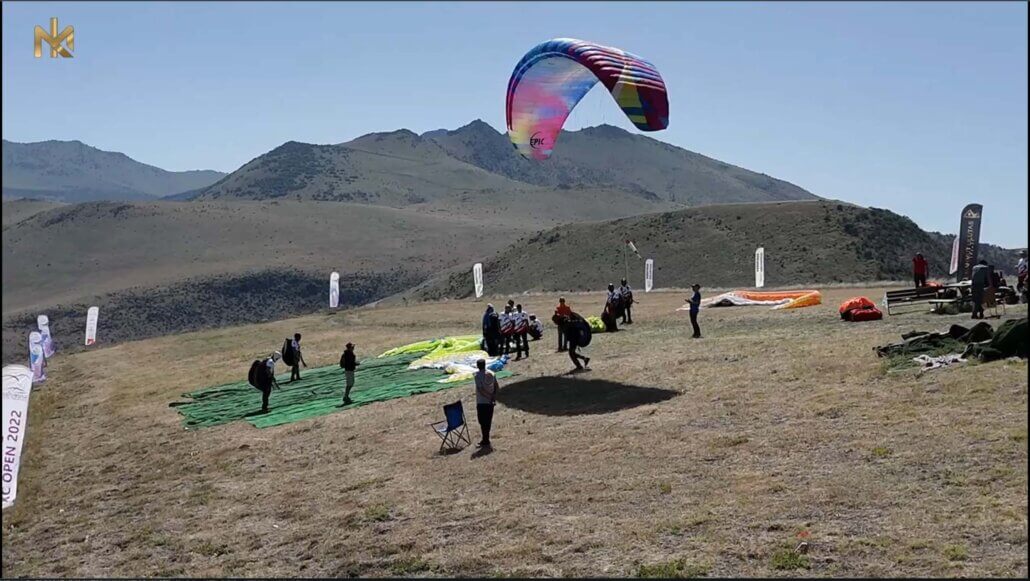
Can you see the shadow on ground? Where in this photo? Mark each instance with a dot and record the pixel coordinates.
(566, 396)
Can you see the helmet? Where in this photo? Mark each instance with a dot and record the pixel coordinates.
(276, 356)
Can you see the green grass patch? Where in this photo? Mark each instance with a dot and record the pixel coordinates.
(378, 513)
(956, 553)
(788, 560)
(665, 488)
(881, 452)
(678, 569)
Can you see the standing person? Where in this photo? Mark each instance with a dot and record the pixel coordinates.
(486, 397)
(521, 332)
(627, 299)
(1021, 271)
(919, 270)
(491, 331)
(695, 307)
(611, 310)
(980, 281)
(298, 358)
(269, 380)
(507, 323)
(562, 310)
(349, 363)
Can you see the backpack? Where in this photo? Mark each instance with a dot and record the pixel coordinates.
(289, 355)
(258, 375)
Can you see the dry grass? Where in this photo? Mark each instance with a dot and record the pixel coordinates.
(771, 435)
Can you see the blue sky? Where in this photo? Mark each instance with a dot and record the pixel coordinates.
(916, 107)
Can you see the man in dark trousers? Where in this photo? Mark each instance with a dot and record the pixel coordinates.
(298, 358)
(491, 331)
(349, 363)
(268, 380)
(980, 281)
(627, 300)
(919, 270)
(695, 307)
(561, 311)
(521, 331)
(576, 331)
(486, 398)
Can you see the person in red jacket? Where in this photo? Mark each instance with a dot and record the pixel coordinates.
(919, 270)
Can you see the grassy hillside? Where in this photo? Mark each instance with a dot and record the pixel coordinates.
(71, 171)
(671, 457)
(805, 243)
(15, 211)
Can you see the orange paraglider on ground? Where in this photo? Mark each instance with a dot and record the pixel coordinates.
(776, 299)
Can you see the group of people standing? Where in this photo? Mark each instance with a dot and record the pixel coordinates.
(514, 325)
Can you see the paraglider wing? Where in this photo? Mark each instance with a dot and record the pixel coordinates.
(552, 78)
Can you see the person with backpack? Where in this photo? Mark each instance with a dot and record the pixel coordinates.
(294, 358)
(627, 301)
(577, 335)
(491, 331)
(349, 363)
(521, 331)
(262, 376)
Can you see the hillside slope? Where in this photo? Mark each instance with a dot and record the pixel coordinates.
(805, 243)
(71, 171)
(610, 157)
(401, 168)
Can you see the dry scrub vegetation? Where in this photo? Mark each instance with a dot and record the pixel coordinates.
(672, 457)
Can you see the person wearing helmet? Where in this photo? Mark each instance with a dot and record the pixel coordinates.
(266, 389)
(627, 300)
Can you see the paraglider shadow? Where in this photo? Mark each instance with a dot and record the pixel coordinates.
(566, 396)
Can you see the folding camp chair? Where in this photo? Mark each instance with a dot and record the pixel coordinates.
(454, 429)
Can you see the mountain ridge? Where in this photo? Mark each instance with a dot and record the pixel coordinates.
(72, 171)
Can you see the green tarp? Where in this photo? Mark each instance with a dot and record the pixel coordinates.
(319, 393)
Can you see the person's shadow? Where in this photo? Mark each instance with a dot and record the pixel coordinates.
(570, 396)
(484, 451)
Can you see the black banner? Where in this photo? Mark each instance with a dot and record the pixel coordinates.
(968, 241)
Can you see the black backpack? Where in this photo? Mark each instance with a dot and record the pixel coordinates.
(289, 355)
(258, 375)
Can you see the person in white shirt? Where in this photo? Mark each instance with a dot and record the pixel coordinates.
(507, 321)
(486, 397)
(536, 328)
(521, 332)
(627, 298)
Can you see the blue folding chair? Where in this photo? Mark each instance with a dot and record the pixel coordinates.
(454, 429)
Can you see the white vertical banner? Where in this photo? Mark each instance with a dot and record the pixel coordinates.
(43, 322)
(477, 278)
(760, 267)
(648, 275)
(17, 386)
(91, 325)
(37, 360)
(334, 290)
(954, 257)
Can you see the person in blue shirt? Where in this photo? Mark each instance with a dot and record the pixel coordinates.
(695, 306)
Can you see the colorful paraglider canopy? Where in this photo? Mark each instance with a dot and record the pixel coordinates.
(552, 78)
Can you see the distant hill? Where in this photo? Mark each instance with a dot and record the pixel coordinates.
(71, 171)
(402, 168)
(805, 243)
